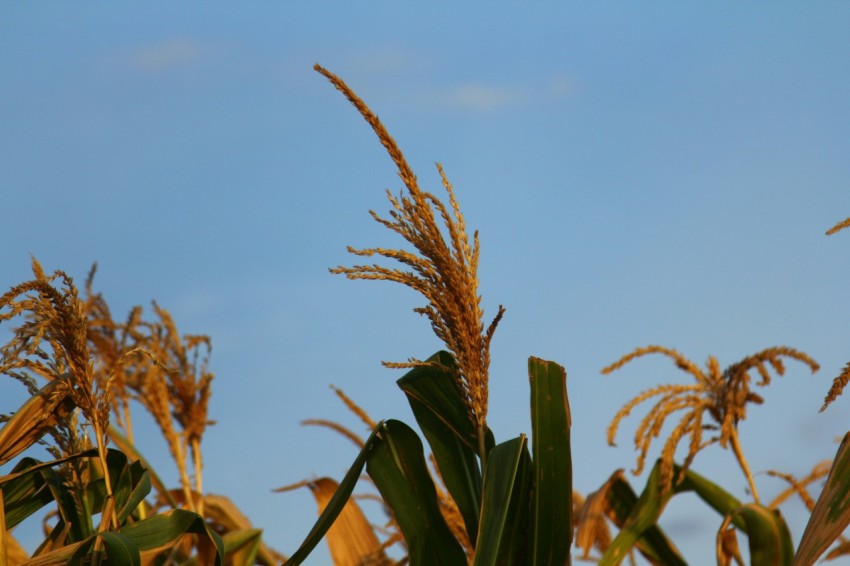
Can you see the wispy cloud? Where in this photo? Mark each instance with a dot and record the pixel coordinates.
(560, 86)
(485, 97)
(482, 97)
(168, 54)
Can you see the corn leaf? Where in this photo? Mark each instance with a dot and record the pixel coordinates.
(241, 547)
(715, 496)
(130, 484)
(162, 530)
(769, 538)
(436, 388)
(135, 485)
(58, 557)
(351, 539)
(117, 548)
(337, 502)
(34, 418)
(550, 440)
(120, 549)
(649, 506)
(128, 448)
(152, 535)
(15, 553)
(25, 493)
(653, 544)
(759, 524)
(398, 468)
(505, 508)
(442, 416)
(831, 514)
(70, 507)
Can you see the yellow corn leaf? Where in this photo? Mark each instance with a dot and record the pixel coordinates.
(351, 540)
(35, 417)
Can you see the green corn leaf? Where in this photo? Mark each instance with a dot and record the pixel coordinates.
(121, 476)
(769, 538)
(69, 508)
(140, 487)
(25, 493)
(128, 448)
(505, 508)
(131, 484)
(398, 468)
(117, 548)
(653, 544)
(164, 529)
(436, 389)
(337, 502)
(121, 549)
(442, 416)
(157, 532)
(649, 506)
(831, 514)
(715, 496)
(241, 547)
(550, 439)
(645, 513)
(70, 505)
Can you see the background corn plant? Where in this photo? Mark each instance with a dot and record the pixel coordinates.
(104, 503)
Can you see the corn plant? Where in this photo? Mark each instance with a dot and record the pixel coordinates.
(517, 503)
(82, 369)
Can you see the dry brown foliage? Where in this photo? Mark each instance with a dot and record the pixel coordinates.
(590, 516)
(727, 548)
(722, 396)
(444, 272)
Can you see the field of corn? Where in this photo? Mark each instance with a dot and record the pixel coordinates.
(451, 492)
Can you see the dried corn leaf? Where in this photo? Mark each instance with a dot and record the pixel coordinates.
(351, 539)
(15, 553)
(34, 419)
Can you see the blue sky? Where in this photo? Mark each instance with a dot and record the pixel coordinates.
(655, 173)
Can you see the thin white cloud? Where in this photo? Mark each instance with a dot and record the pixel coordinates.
(168, 54)
(560, 86)
(485, 97)
(482, 97)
